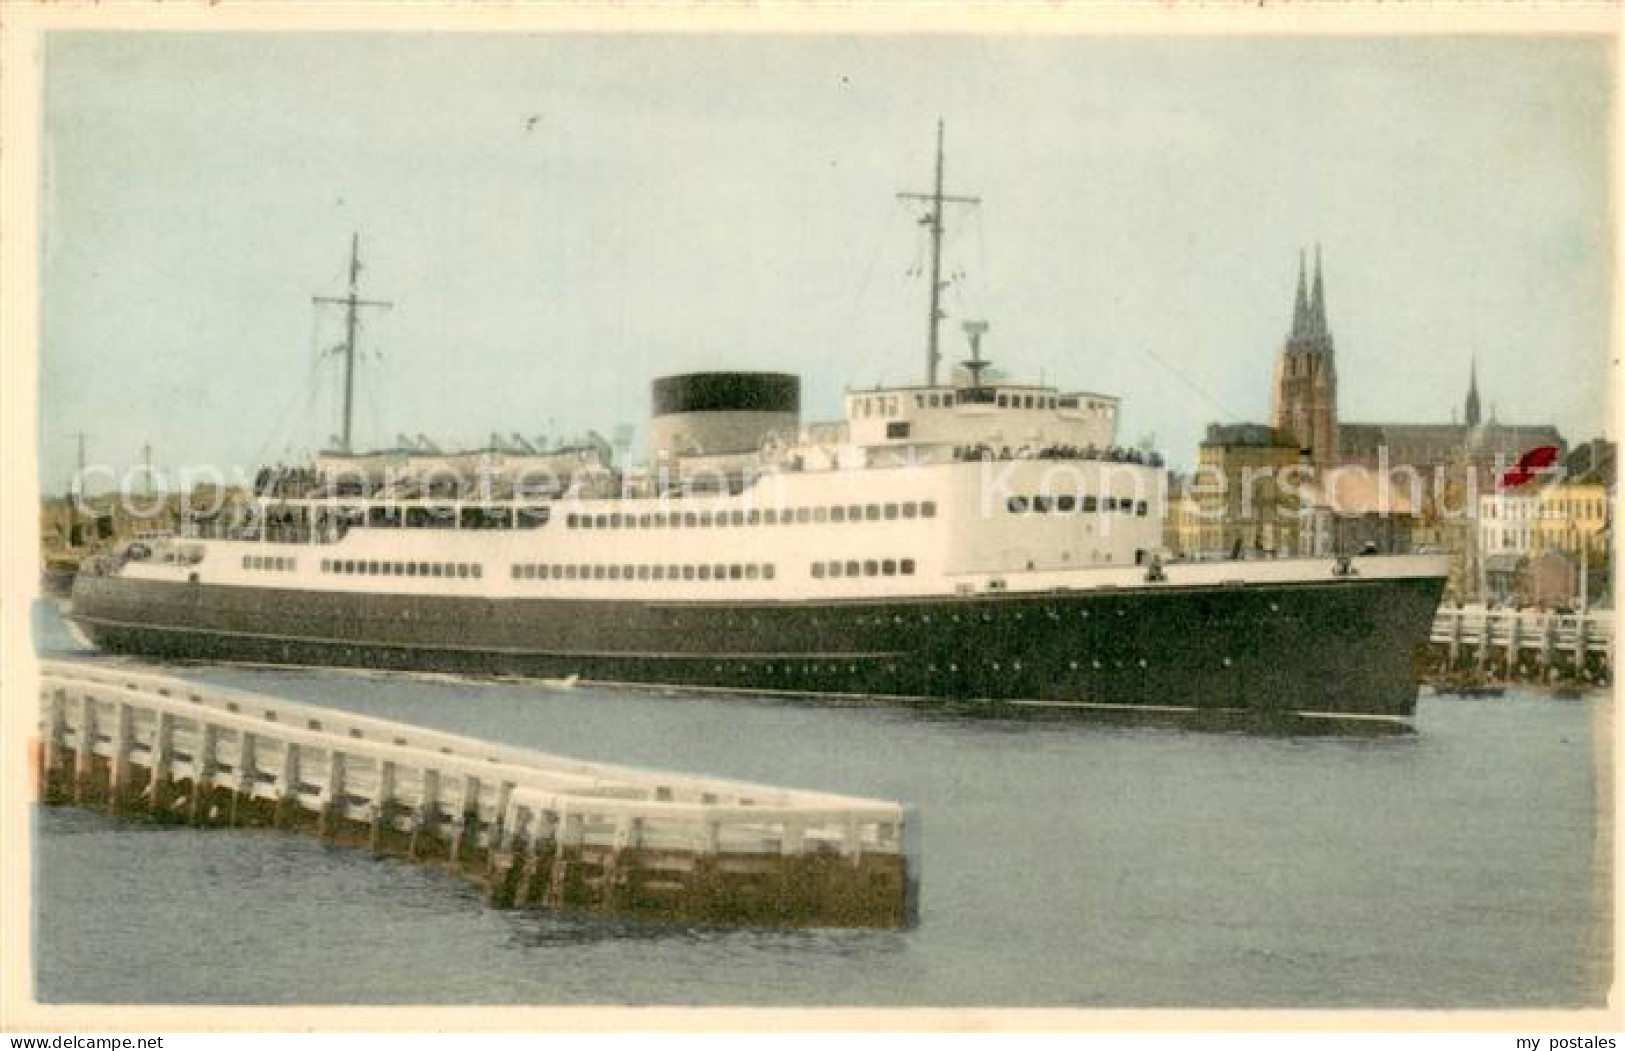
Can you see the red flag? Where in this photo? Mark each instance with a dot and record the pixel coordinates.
(1529, 466)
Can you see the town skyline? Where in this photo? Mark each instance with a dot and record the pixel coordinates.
(553, 238)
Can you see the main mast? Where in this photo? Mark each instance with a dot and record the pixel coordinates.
(351, 304)
(933, 220)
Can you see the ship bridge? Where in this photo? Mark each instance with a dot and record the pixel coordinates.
(937, 424)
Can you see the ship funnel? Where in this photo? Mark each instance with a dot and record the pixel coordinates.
(722, 413)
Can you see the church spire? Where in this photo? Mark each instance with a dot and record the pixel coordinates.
(1300, 309)
(1310, 333)
(1472, 394)
(1317, 301)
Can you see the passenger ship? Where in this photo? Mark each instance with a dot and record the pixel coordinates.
(974, 540)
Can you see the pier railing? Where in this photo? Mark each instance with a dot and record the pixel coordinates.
(1523, 645)
(534, 830)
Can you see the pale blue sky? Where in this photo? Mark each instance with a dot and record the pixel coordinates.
(695, 202)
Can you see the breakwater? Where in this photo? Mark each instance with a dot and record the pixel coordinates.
(532, 830)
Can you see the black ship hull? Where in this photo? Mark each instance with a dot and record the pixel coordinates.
(1341, 647)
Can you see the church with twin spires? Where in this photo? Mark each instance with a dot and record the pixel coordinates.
(1303, 408)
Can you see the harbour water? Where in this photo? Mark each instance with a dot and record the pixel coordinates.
(1062, 864)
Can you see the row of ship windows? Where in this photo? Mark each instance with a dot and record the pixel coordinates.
(401, 569)
(719, 571)
(869, 567)
(770, 516)
(273, 563)
(1068, 504)
(889, 405)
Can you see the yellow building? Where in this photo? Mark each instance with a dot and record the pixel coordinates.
(1570, 515)
(1245, 491)
(1182, 525)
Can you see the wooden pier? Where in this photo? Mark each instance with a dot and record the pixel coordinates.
(1473, 644)
(532, 830)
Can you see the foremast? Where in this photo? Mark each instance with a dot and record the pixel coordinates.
(934, 222)
(352, 304)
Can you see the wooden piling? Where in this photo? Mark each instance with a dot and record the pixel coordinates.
(1515, 645)
(532, 831)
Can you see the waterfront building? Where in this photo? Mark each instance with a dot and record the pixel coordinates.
(1244, 492)
(1506, 521)
(1354, 512)
(1182, 527)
